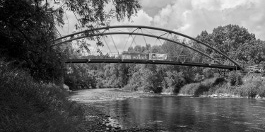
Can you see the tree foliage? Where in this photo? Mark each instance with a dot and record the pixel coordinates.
(236, 42)
(27, 28)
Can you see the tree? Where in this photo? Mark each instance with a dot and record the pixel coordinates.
(175, 80)
(228, 38)
(234, 41)
(27, 28)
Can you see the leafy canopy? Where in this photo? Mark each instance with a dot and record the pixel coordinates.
(28, 26)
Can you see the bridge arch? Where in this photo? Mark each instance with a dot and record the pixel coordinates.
(101, 31)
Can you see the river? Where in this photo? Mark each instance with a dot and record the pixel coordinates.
(176, 113)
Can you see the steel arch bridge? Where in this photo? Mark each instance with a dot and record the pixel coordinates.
(149, 32)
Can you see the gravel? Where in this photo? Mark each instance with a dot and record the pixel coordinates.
(95, 119)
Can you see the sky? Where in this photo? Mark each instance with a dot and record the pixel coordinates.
(191, 17)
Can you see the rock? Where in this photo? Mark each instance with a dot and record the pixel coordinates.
(66, 87)
(257, 96)
(213, 95)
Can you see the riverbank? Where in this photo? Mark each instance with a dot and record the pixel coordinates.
(106, 94)
(30, 106)
(27, 105)
(249, 86)
(137, 114)
(95, 118)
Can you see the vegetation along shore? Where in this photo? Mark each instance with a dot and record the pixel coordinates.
(33, 70)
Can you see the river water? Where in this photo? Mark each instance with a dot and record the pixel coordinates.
(175, 113)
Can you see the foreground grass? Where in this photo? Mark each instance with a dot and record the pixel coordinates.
(251, 86)
(28, 106)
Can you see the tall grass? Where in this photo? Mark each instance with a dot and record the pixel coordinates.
(28, 106)
(254, 85)
(251, 86)
(207, 86)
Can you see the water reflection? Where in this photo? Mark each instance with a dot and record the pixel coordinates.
(189, 114)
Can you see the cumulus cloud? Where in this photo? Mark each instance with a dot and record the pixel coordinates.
(70, 22)
(193, 16)
(190, 17)
(141, 18)
(124, 41)
(152, 7)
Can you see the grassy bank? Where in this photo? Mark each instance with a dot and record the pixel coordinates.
(251, 85)
(28, 106)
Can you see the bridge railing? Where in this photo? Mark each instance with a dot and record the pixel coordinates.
(180, 58)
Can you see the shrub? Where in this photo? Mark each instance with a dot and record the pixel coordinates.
(235, 78)
(30, 106)
(157, 89)
(219, 81)
(261, 91)
(208, 73)
(224, 88)
(252, 89)
(174, 80)
(201, 89)
(167, 91)
(208, 86)
(247, 90)
(189, 89)
(130, 88)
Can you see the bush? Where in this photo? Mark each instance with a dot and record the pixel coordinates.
(252, 89)
(157, 89)
(261, 91)
(207, 86)
(235, 78)
(167, 91)
(224, 88)
(247, 90)
(174, 80)
(189, 89)
(219, 81)
(30, 106)
(201, 89)
(208, 73)
(130, 88)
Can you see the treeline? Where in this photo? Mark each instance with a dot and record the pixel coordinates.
(234, 41)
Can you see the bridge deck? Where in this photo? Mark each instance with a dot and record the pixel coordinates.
(163, 62)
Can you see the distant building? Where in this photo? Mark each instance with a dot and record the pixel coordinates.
(255, 69)
(143, 56)
(156, 56)
(135, 56)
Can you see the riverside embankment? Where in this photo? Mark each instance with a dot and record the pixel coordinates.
(96, 117)
(134, 111)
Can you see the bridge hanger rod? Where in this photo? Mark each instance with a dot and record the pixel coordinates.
(141, 34)
(154, 28)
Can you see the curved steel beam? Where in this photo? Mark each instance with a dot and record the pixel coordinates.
(154, 28)
(140, 34)
(162, 62)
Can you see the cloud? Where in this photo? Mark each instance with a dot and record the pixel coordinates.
(190, 17)
(152, 7)
(70, 21)
(123, 42)
(193, 16)
(141, 18)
